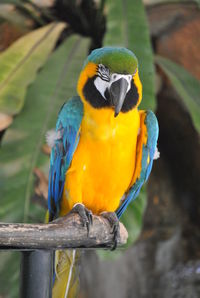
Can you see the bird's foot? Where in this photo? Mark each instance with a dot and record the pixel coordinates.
(85, 215)
(114, 222)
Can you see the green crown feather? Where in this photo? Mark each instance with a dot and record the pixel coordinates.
(118, 60)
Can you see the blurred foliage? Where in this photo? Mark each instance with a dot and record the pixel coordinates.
(53, 73)
(186, 85)
(54, 84)
(26, 55)
(17, 11)
(127, 26)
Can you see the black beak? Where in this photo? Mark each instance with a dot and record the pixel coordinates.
(118, 91)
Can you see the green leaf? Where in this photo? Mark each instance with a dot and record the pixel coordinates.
(12, 16)
(20, 63)
(127, 26)
(28, 9)
(21, 147)
(187, 86)
(14, 2)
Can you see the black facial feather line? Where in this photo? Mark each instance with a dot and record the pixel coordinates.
(103, 72)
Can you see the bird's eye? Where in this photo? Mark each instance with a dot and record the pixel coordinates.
(103, 72)
(101, 67)
(130, 77)
(114, 76)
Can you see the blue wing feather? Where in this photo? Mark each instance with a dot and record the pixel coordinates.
(67, 128)
(148, 150)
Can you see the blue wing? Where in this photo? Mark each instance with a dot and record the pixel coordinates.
(66, 141)
(148, 152)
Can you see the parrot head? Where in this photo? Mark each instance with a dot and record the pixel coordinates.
(110, 79)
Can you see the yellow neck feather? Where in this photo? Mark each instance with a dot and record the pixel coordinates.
(101, 123)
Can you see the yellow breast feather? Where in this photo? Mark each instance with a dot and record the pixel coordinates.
(103, 164)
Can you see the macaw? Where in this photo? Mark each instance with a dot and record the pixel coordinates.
(102, 149)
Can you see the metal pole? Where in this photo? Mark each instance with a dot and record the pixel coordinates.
(36, 274)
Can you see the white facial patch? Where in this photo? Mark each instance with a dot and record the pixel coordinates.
(102, 85)
(117, 76)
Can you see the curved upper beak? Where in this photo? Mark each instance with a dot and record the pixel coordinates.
(118, 90)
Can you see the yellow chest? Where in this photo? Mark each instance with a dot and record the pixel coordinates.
(104, 161)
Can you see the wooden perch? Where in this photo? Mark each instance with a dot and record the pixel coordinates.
(65, 232)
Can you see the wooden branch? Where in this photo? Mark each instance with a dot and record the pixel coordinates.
(65, 232)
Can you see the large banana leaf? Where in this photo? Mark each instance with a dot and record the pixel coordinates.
(20, 63)
(21, 147)
(187, 86)
(127, 26)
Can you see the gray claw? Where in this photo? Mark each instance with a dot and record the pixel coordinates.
(85, 215)
(114, 222)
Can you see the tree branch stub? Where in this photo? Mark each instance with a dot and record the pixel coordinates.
(62, 233)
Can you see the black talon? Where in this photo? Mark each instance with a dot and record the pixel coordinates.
(114, 222)
(85, 215)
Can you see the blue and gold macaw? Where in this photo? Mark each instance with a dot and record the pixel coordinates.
(103, 147)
